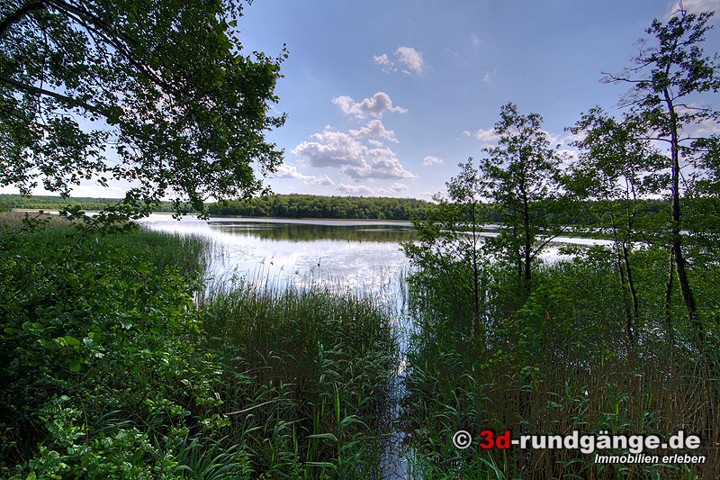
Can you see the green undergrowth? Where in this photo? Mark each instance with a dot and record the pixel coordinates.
(558, 360)
(305, 379)
(110, 368)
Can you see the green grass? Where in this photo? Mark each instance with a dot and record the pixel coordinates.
(306, 378)
(555, 361)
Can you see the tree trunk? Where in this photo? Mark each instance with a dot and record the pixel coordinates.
(676, 239)
(621, 272)
(476, 274)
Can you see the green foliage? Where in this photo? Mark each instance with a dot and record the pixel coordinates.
(110, 368)
(160, 88)
(603, 341)
(669, 73)
(558, 362)
(522, 176)
(43, 202)
(314, 206)
(447, 252)
(96, 353)
(306, 379)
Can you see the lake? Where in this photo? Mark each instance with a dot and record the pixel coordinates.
(361, 256)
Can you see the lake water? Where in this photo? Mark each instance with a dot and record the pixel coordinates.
(361, 256)
(356, 255)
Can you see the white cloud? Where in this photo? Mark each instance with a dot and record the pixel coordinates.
(395, 189)
(382, 59)
(398, 187)
(351, 157)
(333, 149)
(475, 40)
(355, 189)
(703, 128)
(411, 59)
(554, 139)
(487, 136)
(567, 157)
(376, 106)
(692, 6)
(288, 171)
(375, 128)
(430, 160)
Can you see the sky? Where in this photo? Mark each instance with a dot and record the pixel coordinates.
(387, 97)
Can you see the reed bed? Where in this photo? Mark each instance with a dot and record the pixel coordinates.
(306, 378)
(557, 362)
(116, 365)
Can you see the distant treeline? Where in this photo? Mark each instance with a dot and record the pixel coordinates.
(47, 202)
(315, 206)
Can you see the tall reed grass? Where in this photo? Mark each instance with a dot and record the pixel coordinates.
(110, 369)
(305, 378)
(554, 362)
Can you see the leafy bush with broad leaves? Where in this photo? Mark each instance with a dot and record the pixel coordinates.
(98, 371)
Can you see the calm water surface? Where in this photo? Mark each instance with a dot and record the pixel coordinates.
(363, 256)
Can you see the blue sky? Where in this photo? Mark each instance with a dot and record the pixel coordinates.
(387, 97)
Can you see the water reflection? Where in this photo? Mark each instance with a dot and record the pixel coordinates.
(362, 256)
(307, 232)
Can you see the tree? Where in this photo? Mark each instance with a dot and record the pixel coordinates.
(448, 250)
(616, 168)
(156, 93)
(666, 79)
(523, 177)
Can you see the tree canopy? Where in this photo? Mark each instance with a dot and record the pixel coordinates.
(155, 93)
(670, 71)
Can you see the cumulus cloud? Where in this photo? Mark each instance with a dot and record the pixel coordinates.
(355, 189)
(409, 60)
(353, 158)
(430, 160)
(395, 189)
(288, 171)
(376, 106)
(490, 137)
(487, 136)
(692, 6)
(382, 166)
(382, 59)
(702, 128)
(375, 128)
